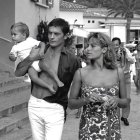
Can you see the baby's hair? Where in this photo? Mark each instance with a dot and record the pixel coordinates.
(22, 27)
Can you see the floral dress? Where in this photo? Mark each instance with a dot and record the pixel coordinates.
(98, 123)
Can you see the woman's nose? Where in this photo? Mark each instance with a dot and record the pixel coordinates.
(88, 48)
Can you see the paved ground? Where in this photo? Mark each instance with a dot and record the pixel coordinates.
(131, 132)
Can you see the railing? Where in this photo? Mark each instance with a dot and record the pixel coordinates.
(5, 39)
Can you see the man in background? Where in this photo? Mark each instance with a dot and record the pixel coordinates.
(124, 60)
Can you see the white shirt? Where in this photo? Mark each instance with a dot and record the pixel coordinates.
(130, 60)
(22, 49)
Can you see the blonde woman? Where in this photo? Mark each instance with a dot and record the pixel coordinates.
(103, 91)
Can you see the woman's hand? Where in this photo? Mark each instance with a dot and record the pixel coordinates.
(94, 97)
(113, 102)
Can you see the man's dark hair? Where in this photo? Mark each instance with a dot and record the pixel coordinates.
(116, 38)
(65, 27)
(59, 22)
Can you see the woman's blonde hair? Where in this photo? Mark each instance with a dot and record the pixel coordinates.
(109, 58)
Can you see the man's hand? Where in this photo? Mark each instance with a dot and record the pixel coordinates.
(34, 54)
(41, 54)
(95, 98)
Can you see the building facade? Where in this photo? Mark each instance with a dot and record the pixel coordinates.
(29, 11)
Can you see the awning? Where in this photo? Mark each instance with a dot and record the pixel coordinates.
(80, 32)
(97, 30)
(131, 45)
(135, 28)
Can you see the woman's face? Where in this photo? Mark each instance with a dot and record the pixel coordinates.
(94, 50)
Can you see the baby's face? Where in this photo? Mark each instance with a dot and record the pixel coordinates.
(17, 36)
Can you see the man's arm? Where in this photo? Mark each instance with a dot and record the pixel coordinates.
(22, 67)
(129, 56)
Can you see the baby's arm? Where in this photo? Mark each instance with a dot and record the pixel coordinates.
(34, 77)
(12, 57)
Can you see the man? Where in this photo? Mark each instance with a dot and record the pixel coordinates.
(124, 59)
(46, 110)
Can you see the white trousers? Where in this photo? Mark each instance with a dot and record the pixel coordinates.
(46, 119)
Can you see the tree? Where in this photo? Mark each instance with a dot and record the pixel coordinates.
(125, 8)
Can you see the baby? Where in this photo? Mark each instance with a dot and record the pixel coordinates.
(22, 48)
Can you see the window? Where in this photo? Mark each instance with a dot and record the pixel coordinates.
(45, 3)
(92, 21)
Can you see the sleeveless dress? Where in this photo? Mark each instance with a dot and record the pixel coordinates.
(96, 122)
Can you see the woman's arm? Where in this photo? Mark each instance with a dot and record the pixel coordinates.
(122, 101)
(74, 101)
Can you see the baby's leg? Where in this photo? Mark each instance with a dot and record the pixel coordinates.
(34, 77)
(51, 72)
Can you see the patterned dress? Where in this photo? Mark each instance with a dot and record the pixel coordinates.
(98, 123)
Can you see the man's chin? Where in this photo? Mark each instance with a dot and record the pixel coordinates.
(53, 46)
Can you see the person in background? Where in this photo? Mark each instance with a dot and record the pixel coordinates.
(22, 48)
(103, 90)
(46, 110)
(124, 60)
(136, 77)
(79, 48)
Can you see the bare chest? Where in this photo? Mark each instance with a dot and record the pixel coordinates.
(52, 60)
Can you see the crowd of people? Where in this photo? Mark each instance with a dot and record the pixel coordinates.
(98, 82)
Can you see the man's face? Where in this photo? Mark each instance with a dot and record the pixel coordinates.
(56, 36)
(116, 44)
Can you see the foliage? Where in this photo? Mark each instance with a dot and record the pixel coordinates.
(126, 9)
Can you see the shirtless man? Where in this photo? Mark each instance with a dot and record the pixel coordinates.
(47, 110)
